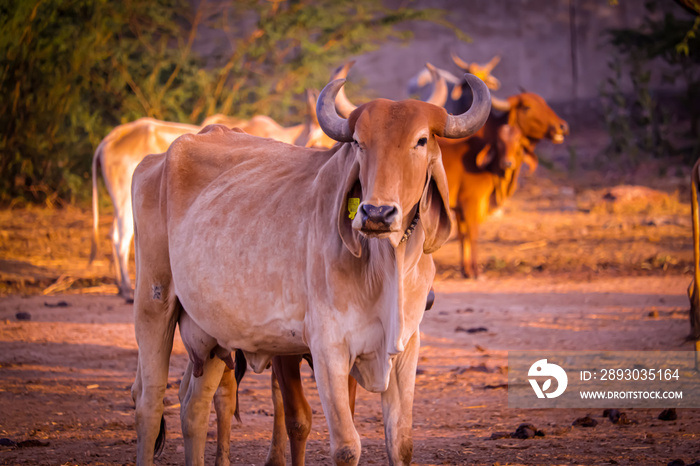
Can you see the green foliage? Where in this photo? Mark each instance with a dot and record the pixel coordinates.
(638, 123)
(71, 70)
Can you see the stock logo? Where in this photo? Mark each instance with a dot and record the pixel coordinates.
(544, 369)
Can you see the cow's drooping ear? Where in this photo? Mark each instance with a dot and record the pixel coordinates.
(456, 93)
(485, 156)
(434, 208)
(351, 190)
(515, 102)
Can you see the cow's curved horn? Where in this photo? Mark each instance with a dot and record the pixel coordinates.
(492, 63)
(342, 103)
(469, 122)
(500, 104)
(335, 127)
(439, 95)
(459, 62)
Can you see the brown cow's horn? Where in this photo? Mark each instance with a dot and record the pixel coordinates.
(469, 122)
(311, 97)
(500, 104)
(439, 94)
(342, 103)
(335, 127)
(459, 62)
(492, 63)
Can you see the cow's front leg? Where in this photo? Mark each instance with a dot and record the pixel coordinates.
(331, 371)
(397, 404)
(195, 408)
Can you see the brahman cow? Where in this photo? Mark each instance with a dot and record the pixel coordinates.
(307, 134)
(535, 120)
(281, 250)
(479, 183)
(292, 413)
(117, 156)
(126, 145)
(423, 83)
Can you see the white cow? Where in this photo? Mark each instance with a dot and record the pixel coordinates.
(117, 156)
(126, 145)
(277, 249)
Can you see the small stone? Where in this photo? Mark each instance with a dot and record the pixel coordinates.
(676, 463)
(6, 442)
(459, 328)
(654, 314)
(58, 304)
(586, 421)
(614, 415)
(668, 414)
(23, 316)
(32, 443)
(526, 431)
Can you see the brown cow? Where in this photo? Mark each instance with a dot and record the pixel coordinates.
(535, 120)
(478, 183)
(260, 243)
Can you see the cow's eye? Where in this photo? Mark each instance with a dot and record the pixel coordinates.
(422, 142)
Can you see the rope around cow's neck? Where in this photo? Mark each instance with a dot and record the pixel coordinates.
(411, 227)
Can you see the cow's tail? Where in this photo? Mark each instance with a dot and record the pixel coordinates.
(238, 372)
(693, 289)
(160, 440)
(95, 217)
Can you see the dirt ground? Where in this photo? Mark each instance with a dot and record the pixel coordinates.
(570, 264)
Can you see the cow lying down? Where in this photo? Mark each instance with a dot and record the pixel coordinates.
(275, 249)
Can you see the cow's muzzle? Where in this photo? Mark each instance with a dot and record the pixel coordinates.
(377, 219)
(557, 132)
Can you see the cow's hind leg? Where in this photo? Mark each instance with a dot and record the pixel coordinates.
(155, 322)
(465, 244)
(397, 405)
(195, 408)
(125, 225)
(122, 234)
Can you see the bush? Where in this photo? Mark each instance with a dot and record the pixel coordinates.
(638, 123)
(71, 70)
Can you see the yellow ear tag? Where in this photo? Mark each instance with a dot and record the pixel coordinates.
(353, 205)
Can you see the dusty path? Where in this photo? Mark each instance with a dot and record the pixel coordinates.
(567, 266)
(66, 374)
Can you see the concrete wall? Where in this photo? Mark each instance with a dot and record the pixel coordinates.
(553, 47)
